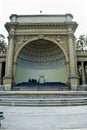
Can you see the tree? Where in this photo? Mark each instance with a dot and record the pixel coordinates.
(3, 45)
(81, 42)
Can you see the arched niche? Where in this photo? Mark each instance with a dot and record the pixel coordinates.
(41, 57)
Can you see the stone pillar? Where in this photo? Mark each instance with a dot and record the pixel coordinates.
(72, 60)
(67, 71)
(8, 79)
(14, 72)
(0, 72)
(83, 72)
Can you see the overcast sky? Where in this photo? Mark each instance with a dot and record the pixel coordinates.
(78, 8)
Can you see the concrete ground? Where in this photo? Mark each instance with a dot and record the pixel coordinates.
(44, 118)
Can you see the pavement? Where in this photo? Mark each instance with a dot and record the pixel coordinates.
(44, 118)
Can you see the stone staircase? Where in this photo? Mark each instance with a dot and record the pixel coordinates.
(43, 98)
(43, 102)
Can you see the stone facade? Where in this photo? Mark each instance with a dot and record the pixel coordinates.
(54, 31)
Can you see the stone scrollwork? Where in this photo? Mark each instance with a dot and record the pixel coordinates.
(62, 40)
(59, 39)
(20, 40)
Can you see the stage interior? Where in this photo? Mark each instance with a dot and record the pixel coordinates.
(41, 65)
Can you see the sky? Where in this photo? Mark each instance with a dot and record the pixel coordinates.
(78, 8)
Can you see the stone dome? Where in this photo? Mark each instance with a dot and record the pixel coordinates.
(41, 54)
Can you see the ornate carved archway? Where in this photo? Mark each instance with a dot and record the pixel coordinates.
(60, 41)
(57, 30)
(40, 54)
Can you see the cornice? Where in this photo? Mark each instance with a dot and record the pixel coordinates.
(9, 25)
(42, 15)
(40, 24)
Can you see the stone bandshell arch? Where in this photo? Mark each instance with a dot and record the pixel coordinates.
(30, 40)
(53, 40)
(44, 38)
(56, 29)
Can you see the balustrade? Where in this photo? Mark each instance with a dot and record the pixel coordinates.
(81, 53)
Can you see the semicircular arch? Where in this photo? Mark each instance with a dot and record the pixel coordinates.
(36, 38)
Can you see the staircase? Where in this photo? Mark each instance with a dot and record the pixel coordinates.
(43, 98)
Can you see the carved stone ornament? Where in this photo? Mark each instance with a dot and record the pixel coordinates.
(20, 40)
(62, 40)
(41, 36)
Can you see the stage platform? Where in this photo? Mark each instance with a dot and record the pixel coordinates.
(47, 86)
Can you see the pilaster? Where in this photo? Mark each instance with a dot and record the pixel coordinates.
(72, 58)
(83, 72)
(0, 72)
(8, 79)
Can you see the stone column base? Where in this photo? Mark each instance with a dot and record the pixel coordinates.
(7, 87)
(73, 87)
(82, 87)
(74, 82)
(7, 81)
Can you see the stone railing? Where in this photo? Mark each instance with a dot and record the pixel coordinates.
(81, 53)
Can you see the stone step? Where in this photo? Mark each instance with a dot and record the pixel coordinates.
(37, 93)
(43, 98)
(43, 102)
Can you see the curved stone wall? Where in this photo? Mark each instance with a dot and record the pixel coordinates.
(51, 75)
(41, 54)
(41, 58)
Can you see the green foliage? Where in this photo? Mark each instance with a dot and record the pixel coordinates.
(1, 116)
(81, 42)
(3, 46)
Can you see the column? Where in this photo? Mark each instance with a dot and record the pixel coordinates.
(83, 72)
(14, 72)
(10, 54)
(67, 71)
(0, 72)
(72, 60)
(71, 55)
(8, 79)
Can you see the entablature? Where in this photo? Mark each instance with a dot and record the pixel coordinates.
(81, 55)
(41, 22)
